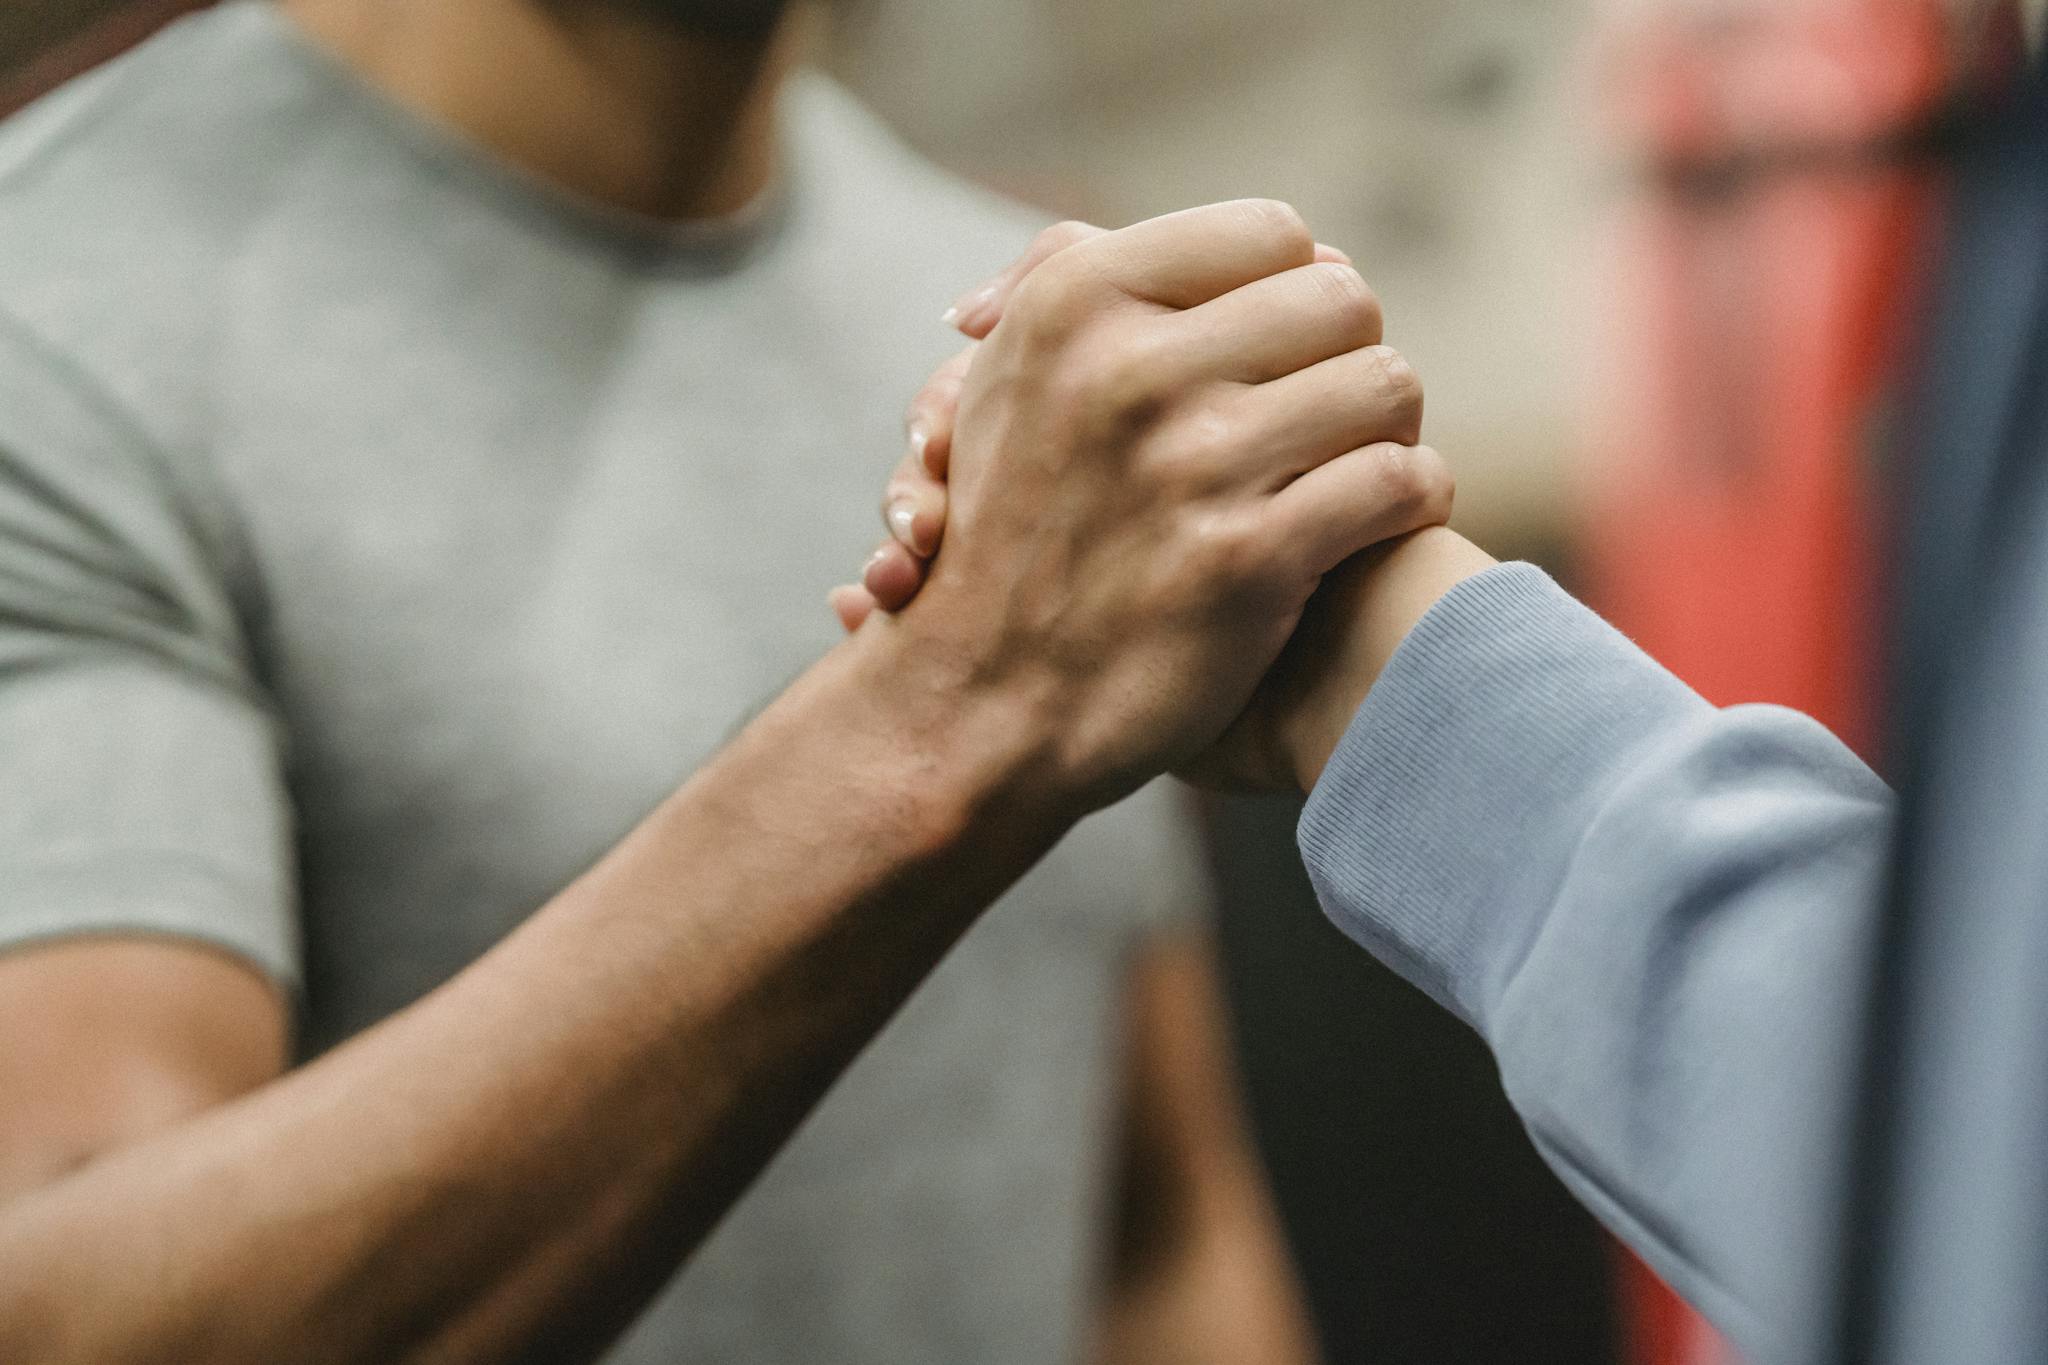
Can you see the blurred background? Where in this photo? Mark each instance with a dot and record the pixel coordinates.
(1444, 144)
(1657, 259)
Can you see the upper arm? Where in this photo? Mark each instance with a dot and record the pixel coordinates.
(1199, 1268)
(146, 880)
(111, 1039)
(1182, 1132)
(1183, 1119)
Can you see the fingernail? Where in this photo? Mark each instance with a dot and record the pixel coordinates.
(950, 318)
(903, 524)
(920, 437)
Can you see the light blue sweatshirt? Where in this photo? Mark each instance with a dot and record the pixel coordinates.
(1658, 914)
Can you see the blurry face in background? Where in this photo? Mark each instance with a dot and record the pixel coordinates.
(749, 20)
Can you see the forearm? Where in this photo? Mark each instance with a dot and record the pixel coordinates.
(1200, 1270)
(507, 1169)
(1224, 1290)
(1351, 632)
(1654, 911)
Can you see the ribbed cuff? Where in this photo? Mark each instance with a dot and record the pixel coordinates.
(1446, 818)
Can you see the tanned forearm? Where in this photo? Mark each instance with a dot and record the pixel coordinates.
(1200, 1270)
(509, 1168)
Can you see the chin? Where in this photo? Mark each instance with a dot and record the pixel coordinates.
(750, 20)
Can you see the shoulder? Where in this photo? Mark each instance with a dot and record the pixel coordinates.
(190, 124)
(125, 196)
(123, 193)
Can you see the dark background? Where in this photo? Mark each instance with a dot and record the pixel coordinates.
(1427, 1228)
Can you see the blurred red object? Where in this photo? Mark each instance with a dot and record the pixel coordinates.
(1773, 280)
(1773, 263)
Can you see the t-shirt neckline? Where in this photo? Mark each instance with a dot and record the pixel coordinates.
(707, 244)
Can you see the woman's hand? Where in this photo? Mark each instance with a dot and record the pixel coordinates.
(1304, 701)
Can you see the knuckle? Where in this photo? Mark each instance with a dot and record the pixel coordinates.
(1224, 553)
(1053, 302)
(1439, 484)
(1415, 481)
(1060, 236)
(1132, 376)
(1397, 476)
(1201, 447)
(1350, 300)
(1280, 223)
(1398, 380)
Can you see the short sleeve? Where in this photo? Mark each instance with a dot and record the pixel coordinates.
(143, 789)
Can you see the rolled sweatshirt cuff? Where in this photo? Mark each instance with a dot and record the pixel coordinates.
(1451, 810)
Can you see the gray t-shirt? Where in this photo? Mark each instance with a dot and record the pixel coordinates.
(382, 534)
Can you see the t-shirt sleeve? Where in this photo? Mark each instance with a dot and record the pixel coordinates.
(143, 789)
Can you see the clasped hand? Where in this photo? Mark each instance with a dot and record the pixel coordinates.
(1158, 445)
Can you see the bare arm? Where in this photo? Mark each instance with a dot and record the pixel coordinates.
(1199, 1270)
(1349, 634)
(110, 1040)
(507, 1169)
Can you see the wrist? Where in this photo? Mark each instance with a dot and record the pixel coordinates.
(972, 762)
(1372, 605)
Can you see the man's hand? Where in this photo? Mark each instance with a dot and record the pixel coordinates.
(1158, 457)
(914, 506)
(1168, 439)
(1379, 410)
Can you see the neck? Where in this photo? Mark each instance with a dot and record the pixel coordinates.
(606, 101)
